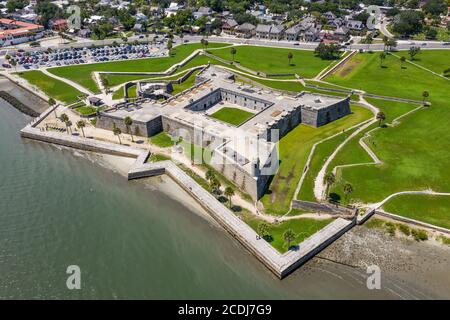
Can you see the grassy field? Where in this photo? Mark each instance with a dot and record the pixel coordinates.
(119, 94)
(303, 228)
(435, 60)
(430, 209)
(51, 87)
(231, 115)
(415, 152)
(300, 140)
(82, 74)
(117, 79)
(132, 91)
(275, 60)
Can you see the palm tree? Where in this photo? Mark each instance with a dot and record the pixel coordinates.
(381, 116)
(290, 56)
(80, 125)
(169, 45)
(14, 64)
(117, 133)
(229, 192)
(385, 41)
(289, 236)
(233, 52)
(329, 180)
(215, 185)
(382, 57)
(203, 43)
(206, 43)
(425, 95)
(347, 190)
(51, 103)
(209, 175)
(128, 122)
(263, 229)
(69, 126)
(369, 40)
(402, 61)
(64, 118)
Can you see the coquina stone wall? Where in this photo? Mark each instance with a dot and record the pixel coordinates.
(138, 128)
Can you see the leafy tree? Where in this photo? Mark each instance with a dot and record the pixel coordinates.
(435, 7)
(289, 236)
(327, 52)
(47, 11)
(413, 51)
(408, 22)
(431, 33)
(209, 175)
(263, 229)
(169, 45)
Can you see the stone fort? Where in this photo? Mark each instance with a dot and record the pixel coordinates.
(247, 153)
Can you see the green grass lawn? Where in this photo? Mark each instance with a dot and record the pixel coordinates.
(51, 87)
(186, 84)
(294, 149)
(275, 60)
(117, 79)
(415, 153)
(162, 140)
(430, 209)
(231, 115)
(435, 60)
(82, 74)
(303, 228)
(119, 94)
(132, 91)
(321, 154)
(86, 110)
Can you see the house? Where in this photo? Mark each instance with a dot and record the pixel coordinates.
(94, 19)
(262, 31)
(58, 24)
(173, 8)
(312, 34)
(245, 30)
(292, 33)
(276, 32)
(203, 11)
(84, 33)
(329, 15)
(336, 23)
(228, 26)
(341, 34)
(140, 17)
(139, 27)
(355, 25)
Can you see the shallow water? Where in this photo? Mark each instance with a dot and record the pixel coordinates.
(130, 239)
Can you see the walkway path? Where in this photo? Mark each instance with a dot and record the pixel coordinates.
(377, 205)
(319, 185)
(69, 82)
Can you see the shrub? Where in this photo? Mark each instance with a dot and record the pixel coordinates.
(404, 229)
(390, 228)
(419, 235)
